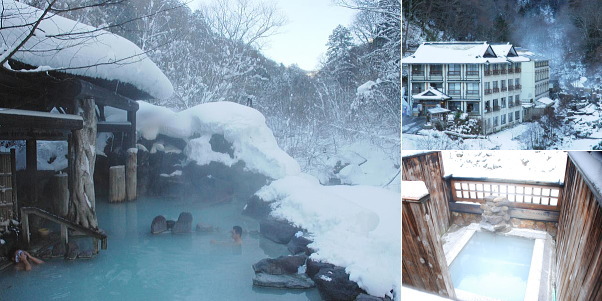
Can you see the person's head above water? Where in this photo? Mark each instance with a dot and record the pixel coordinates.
(237, 230)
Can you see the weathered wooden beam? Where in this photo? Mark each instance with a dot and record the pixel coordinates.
(113, 127)
(13, 170)
(521, 213)
(505, 181)
(25, 119)
(26, 134)
(26, 211)
(104, 96)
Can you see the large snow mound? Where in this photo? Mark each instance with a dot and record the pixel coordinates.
(356, 227)
(77, 48)
(253, 142)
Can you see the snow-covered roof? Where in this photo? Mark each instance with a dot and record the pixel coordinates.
(530, 55)
(590, 165)
(463, 53)
(431, 94)
(546, 101)
(437, 110)
(413, 190)
(76, 48)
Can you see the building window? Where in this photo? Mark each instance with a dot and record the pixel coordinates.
(454, 105)
(517, 83)
(472, 69)
(472, 108)
(517, 99)
(453, 88)
(503, 84)
(436, 70)
(517, 115)
(487, 88)
(495, 87)
(487, 107)
(496, 105)
(510, 101)
(472, 89)
(495, 69)
(503, 102)
(503, 119)
(510, 117)
(510, 85)
(495, 121)
(417, 88)
(487, 69)
(453, 69)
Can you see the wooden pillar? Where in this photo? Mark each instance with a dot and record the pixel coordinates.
(25, 228)
(131, 173)
(13, 170)
(31, 154)
(131, 135)
(61, 195)
(117, 183)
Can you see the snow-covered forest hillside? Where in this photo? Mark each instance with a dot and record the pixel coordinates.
(316, 115)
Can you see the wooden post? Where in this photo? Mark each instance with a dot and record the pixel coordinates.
(13, 170)
(31, 154)
(65, 235)
(61, 196)
(25, 227)
(131, 135)
(116, 183)
(131, 174)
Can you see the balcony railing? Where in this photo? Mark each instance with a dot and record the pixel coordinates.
(496, 72)
(488, 72)
(453, 73)
(510, 104)
(435, 73)
(516, 70)
(417, 73)
(496, 108)
(469, 73)
(510, 88)
(454, 92)
(517, 87)
(487, 91)
(510, 71)
(472, 92)
(504, 89)
(503, 71)
(495, 90)
(521, 194)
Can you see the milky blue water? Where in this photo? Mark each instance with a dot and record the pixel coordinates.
(141, 266)
(494, 266)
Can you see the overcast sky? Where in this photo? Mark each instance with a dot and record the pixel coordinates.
(303, 40)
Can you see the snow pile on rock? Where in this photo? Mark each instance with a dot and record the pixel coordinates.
(356, 227)
(252, 141)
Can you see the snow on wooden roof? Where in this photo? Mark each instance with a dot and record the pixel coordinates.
(546, 101)
(431, 94)
(69, 46)
(413, 190)
(463, 53)
(438, 110)
(590, 165)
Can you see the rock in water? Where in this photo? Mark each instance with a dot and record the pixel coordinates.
(183, 224)
(281, 265)
(158, 225)
(293, 281)
(299, 245)
(277, 231)
(334, 284)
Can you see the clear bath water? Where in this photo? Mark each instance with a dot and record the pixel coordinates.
(493, 266)
(141, 266)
